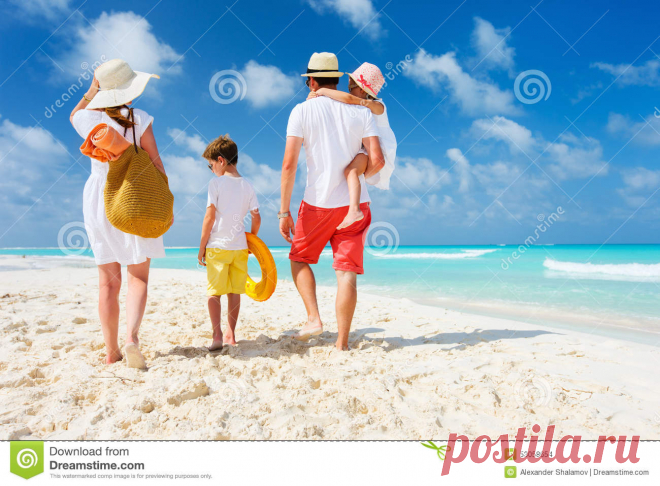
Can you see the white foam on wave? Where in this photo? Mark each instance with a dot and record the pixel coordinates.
(636, 272)
(439, 256)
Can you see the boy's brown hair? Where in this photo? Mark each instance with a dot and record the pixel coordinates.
(224, 147)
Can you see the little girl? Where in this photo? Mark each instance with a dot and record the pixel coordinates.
(363, 86)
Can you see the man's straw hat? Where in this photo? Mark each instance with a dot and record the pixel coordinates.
(118, 84)
(323, 65)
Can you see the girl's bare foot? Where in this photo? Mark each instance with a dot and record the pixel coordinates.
(353, 216)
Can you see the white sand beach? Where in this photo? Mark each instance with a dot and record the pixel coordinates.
(414, 372)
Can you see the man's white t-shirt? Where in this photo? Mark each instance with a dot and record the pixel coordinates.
(233, 198)
(332, 134)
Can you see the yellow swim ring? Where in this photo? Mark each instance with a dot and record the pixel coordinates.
(262, 290)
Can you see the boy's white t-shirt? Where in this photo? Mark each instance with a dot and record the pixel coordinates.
(332, 134)
(233, 198)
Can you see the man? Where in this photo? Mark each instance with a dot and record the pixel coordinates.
(333, 134)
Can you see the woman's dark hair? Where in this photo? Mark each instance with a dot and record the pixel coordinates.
(114, 112)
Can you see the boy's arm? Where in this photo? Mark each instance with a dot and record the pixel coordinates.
(376, 107)
(256, 221)
(207, 226)
(289, 167)
(376, 157)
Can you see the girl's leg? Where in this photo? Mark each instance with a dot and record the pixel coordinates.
(352, 173)
(136, 301)
(233, 308)
(109, 287)
(215, 315)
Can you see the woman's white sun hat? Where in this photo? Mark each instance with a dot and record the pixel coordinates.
(323, 65)
(118, 84)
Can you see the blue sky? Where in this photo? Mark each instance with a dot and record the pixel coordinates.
(476, 165)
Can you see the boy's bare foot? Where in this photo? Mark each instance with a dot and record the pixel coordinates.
(216, 345)
(113, 356)
(353, 216)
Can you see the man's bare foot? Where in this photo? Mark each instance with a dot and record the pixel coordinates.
(339, 347)
(353, 216)
(312, 328)
(215, 345)
(113, 356)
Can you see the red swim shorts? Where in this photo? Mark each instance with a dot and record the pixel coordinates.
(316, 226)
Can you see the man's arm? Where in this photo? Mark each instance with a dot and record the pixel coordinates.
(289, 167)
(376, 158)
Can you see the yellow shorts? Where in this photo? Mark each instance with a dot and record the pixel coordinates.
(226, 271)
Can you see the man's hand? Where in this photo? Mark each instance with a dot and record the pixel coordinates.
(201, 257)
(287, 228)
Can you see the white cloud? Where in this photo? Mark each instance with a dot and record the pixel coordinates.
(491, 45)
(500, 128)
(640, 183)
(187, 175)
(573, 158)
(124, 35)
(419, 174)
(361, 14)
(194, 143)
(472, 95)
(268, 85)
(31, 10)
(462, 168)
(645, 75)
(645, 131)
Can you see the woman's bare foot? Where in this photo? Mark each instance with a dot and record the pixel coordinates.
(216, 345)
(113, 356)
(353, 216)
(229, 339)
(134, 357)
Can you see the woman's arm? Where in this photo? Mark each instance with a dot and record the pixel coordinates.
(376, 107)
(207, 226)
(256, 221)
(148, 143)
(91, 92)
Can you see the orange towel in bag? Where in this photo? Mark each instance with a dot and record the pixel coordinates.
(104, 143)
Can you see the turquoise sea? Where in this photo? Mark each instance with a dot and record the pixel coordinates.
(610, 289)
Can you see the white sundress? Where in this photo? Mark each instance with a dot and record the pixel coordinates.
(107, 242)
(388, 145)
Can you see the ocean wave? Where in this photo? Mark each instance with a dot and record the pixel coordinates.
(439, 256)
(636, 272)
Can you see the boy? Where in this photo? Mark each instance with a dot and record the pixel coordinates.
(223, 247)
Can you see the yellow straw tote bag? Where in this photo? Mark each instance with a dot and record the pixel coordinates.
(137, 196)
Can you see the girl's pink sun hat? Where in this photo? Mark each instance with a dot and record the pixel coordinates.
(369, 78)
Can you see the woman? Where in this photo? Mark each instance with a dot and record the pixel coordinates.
(114, 86)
